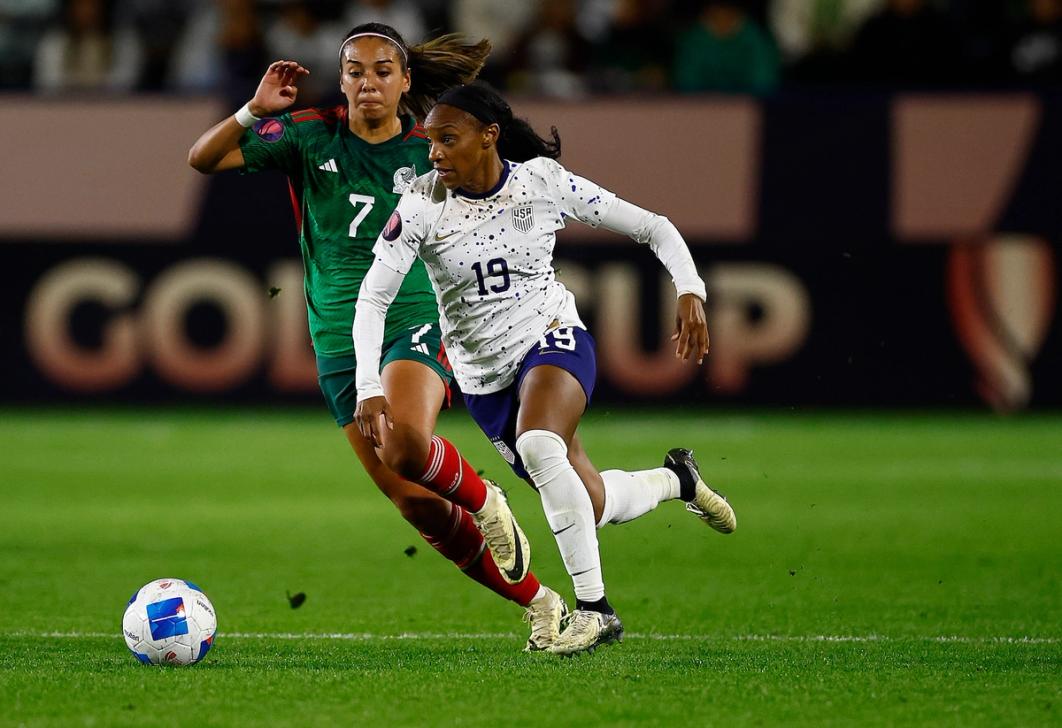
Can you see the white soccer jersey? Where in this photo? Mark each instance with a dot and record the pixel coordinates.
(490, 259)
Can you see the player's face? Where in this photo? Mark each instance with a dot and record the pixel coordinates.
(372, 79)
(461, 146)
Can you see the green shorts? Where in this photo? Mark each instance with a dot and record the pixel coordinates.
(335, 374)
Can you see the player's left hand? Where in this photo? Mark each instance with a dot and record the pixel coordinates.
(691, 329)
(372, 415)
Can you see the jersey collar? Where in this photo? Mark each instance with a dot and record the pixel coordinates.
(506, 168)
(408, 122)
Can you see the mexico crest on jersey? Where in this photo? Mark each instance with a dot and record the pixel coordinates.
(523, 218)
(404, 177)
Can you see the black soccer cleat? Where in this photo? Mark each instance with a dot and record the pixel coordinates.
(707, 504)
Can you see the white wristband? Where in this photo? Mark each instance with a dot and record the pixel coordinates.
(245, 118)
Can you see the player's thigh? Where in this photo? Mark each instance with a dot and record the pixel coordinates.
(415, 393)
(416, 379)
(557, 381)
(551, 399)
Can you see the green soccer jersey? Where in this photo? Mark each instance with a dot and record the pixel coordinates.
(343, 190)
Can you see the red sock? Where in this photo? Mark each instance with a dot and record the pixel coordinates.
(463, 544)
(450, 475)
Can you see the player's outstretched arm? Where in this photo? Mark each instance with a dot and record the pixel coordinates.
(656, 231)
(218, 149)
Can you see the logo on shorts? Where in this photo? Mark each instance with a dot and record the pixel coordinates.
(393, 228)
(270, 130)
(523, 218)
(404, 178)
(504, 450)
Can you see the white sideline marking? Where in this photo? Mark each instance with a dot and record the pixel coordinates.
(371, 637)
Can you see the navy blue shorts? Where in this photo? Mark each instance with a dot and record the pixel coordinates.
(571, 349)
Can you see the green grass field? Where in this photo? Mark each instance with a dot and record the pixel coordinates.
(887, 569)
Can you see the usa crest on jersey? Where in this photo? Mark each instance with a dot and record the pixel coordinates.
(523, 218)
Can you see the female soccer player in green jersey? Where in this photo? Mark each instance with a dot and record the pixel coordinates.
(347, 167)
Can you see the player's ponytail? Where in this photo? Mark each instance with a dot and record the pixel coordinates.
(438, 64)
(517, 141)
(434, 65)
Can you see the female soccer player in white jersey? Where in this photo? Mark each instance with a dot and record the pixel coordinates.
(484, 223)
(347, 167)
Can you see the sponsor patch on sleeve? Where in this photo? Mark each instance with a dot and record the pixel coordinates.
(393, 228)
(270, 130)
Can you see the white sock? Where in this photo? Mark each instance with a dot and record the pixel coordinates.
(630, 495)
(568, 509)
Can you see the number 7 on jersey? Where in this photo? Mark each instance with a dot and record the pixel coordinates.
(362, 213)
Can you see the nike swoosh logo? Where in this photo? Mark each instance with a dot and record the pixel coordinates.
(517, 572)
(557, 533)
(444, 237)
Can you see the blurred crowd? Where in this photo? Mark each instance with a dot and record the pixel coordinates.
(560, 48)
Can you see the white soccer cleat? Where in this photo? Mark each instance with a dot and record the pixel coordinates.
(586, 631)
(708, 505)
(505, 539)
(545, 615)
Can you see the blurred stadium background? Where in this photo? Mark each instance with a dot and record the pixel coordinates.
(872, 191)
(870, 188)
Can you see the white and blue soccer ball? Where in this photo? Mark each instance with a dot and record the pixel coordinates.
(169, 622)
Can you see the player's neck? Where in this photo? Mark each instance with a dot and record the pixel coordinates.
(485, 178)
(375, 131)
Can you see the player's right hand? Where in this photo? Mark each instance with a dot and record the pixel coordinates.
(691, 329)
(371, 416)
(278, 88)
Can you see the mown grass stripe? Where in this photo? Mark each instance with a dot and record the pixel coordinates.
(370, 637)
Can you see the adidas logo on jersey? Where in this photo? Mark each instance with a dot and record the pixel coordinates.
(329, 166)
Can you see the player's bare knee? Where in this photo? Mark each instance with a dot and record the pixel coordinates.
(423, 512)
(405, 453)
(401, 462)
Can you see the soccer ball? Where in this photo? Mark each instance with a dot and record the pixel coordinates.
(169, 622)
